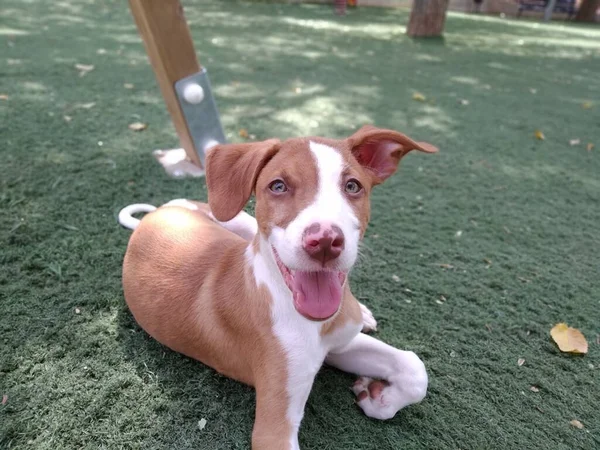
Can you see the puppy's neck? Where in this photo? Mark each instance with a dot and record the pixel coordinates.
(264, 267)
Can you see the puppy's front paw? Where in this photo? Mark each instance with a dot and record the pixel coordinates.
(369, 322)
(382, 399)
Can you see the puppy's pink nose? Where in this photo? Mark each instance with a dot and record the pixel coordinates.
(323, 242)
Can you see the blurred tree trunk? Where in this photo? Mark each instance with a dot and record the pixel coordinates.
(587, 11)
(427, 18)
(549, 10)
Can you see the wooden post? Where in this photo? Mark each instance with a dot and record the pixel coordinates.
(170, 48)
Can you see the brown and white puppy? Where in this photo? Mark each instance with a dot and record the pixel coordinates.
(267, 301)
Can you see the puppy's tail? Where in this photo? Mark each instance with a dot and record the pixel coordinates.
(126, 214)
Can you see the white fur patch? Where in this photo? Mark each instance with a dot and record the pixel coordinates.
(244, 225)
(368, 321)
(373, 359)
(184, 203)
(300, 338)
(126, 214)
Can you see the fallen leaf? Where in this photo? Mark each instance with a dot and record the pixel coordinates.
(539, 135)
(576, 423)
(137, 126)
(202, 423)
(4, 399)
(458, 233)
(575, 142)
(464, 102)
(520, 362)
(396, 278)
(506, 229)
(84, 68)
(84, 105)
(534, 389)
(3, 97)
(417, 96)
(243, 133)
(128, 86)
(489, 327)
(568, 339)
(487, 261)
(446, 266)
(524, 280)
(101, 51)
(533, 90)
(589, 147)
(67, 118)
(298, 90)
(587, 105)
(442, 298)
(539, 409)
(77, 311)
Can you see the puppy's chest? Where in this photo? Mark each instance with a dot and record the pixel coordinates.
(305, 340)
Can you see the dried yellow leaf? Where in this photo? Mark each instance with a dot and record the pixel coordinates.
(576, 423)
(84, 68)
(417, 96)
(539, 135)
(568, 339)
(3, 97)
(243, 133)
(587, 105)
(589, 147)
(137, 126)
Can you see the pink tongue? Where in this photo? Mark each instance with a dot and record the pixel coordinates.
(317, 295)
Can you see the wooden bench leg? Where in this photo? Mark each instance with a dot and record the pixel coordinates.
(166, 36)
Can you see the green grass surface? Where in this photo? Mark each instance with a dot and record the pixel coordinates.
(528, 210)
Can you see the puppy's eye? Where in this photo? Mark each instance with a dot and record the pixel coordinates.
(278, 186)
(353, 186)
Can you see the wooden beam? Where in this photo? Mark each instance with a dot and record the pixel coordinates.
(166, 36)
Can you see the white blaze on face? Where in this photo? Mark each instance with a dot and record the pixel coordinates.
(330, 206)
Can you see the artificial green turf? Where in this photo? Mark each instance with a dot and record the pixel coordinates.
(528, 211)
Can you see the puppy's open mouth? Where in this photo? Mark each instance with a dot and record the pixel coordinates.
(317, 295)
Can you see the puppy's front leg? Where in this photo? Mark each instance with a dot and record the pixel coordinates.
(280, 401)
(390, 378)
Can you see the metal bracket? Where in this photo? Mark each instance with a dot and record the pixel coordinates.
(200, 112)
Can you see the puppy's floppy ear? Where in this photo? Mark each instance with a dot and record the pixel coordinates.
(379, 151)
(231, 174)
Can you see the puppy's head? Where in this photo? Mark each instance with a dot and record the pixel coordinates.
(312, 203)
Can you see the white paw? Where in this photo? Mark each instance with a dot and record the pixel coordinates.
(381, 399)
(369, 322)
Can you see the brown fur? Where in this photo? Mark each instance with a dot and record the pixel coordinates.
(186, 283)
